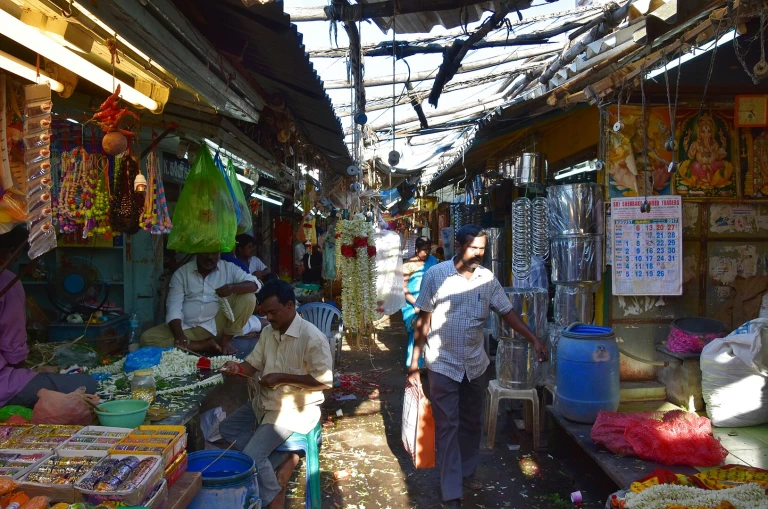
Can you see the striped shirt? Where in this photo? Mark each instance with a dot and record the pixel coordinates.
(459, 308)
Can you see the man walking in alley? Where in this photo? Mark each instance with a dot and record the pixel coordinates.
(456, 297)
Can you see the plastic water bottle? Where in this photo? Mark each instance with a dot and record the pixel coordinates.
(134, 333)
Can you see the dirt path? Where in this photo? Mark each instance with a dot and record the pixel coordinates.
(364, 466)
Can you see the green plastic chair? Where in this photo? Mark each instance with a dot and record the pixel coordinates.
(309, 444)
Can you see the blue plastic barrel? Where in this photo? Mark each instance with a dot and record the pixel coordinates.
(587, 372)
(229, 481)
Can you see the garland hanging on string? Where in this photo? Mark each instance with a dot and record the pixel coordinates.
(356, 263)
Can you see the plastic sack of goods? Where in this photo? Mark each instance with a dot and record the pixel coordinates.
(204, 220)
(734, 378)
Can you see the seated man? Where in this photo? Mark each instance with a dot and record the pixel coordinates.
(195, 312)
(19, 385)
(293, 363)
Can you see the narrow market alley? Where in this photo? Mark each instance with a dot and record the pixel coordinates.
(364, 465)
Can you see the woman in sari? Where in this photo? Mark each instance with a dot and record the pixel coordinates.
(413, 272)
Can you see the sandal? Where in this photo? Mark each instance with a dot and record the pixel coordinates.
(472, 484)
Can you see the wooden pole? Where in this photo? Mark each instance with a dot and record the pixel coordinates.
(453, 56)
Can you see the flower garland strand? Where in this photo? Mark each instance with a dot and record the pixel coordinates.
(663, 496)
(356, 260)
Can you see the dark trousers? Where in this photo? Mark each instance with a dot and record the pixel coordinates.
(53, 382)
(457, 408)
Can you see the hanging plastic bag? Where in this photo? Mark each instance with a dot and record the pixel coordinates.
(244, 221)
(220, 165)
(418, 428)
(734, 376)
(204, 220)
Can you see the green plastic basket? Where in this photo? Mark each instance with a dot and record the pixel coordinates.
(123, 413)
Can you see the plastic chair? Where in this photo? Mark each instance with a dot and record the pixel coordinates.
(309, 444)
(495, 394)
(322, 315)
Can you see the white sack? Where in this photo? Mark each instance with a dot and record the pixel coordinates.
(734, 376)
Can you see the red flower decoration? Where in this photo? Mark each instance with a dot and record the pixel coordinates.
(348, 251)
(371, 251)
(360, 242)
(338, 235)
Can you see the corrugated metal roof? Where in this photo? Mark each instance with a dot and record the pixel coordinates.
(271, 48)
(615, 54)
(424, 22)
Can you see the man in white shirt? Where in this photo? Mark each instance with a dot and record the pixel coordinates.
(293, 366)
(455, 299)
(209, 301)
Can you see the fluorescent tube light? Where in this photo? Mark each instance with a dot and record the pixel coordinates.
(244, 180)
(39, 43)
(27, 71)
(267, 198)
(72, 120)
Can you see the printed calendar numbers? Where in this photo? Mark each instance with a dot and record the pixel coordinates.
(647, 246)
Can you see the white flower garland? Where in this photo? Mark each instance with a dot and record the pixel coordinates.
(357, 267)
(746, 496)
(214, 380)
(174, 363)
(110, 369)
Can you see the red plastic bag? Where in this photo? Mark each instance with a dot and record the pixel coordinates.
(674, 438)
(58, 408)
(418, 428)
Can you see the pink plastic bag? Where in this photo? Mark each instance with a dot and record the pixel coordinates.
(58, 408)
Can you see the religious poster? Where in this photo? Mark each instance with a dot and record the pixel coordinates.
(754, 156)
(706, 149)
(633, 161)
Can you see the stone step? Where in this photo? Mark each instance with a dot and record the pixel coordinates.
(642, 391)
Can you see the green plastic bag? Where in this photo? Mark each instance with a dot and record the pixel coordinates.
(245, 222)
(10, 410)
(204, 220)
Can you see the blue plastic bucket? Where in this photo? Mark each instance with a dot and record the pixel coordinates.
(229, 482)
(587, 372)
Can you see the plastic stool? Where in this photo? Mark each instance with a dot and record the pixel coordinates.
(309, 444)
(495, 394)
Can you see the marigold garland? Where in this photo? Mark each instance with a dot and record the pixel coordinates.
(356, 263)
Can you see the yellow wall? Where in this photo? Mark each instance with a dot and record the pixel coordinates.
(557, 138)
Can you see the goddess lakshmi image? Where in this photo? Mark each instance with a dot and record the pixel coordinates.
(627, 157)
(705, 168)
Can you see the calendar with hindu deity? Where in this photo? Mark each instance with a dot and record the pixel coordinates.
(647, 246)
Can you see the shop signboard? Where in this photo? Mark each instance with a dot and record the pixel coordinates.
(647, 246)
(175, 169)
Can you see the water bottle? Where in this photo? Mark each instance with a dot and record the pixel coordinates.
(134, 333)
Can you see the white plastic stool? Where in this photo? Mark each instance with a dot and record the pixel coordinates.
(495, 394)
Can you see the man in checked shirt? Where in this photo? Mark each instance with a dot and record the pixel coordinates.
(456, 297)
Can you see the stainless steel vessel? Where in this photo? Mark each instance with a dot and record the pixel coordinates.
(576, 209)
(516, 364)
(577, 259)
(574, 303)
(532, 305)
(531, 170)
(495, 258)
